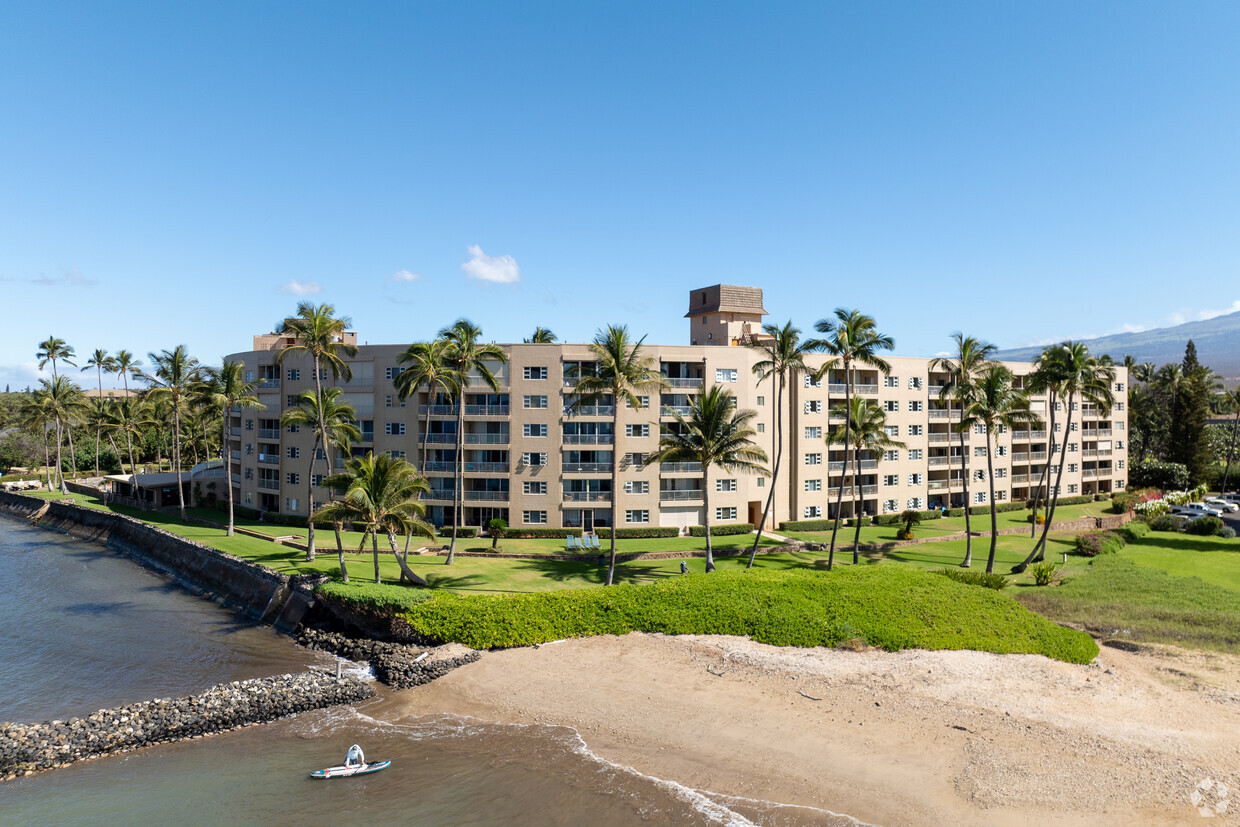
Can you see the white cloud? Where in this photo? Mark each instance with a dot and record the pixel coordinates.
(499, 269)
(1214, 314)
(403, 276)
(70, 277)
(300, 288)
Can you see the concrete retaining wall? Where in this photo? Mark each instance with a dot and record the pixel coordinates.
(249, 589)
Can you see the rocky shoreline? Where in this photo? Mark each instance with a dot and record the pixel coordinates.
(398, 665)
(29, 748)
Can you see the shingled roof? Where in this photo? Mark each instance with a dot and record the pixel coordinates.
(725, 298)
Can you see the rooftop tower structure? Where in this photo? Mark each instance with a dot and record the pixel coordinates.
(725, 314)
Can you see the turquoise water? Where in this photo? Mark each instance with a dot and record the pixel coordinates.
(83, 629)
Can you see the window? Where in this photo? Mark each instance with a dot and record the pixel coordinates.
(1000, 496)
(391, 401)
(891, 381)
(636, 458)
(533, 487)
(249, 448)
(891, 456)
(293, 452)
(891, 479)
(914, 383)
(290, 401)
(914, 453)
(1119, 426)
(1120, 464)
(725, 485)
(979, 497)
(530, 401)
(396, 454)
(979, 475)
(249, 376)
(535, 372)
(1001, 451)
(293, 429)
(813, 406)
(1119, 406)
(725, 513)
(317, 479)
(1072, 468)
(1119, 386)
(642, 402)
(637, 515)
(762, 482)
(811, 511)
(914, 405)
(914, 430)
(293, 374)
(979, 451)
(915, 502)
(761, 401)
(813, 432)
(1072, 488)
(812, 381)
(534, 429)
(1071, 447)
(1119, 443)
(914, 479)
(1000, 473)
(392, 372)
(534, 517)
(1073, 426)
(891, 405)
(249, 473)
(534, 458)
(725, 374)
(762, 427)
(292, 503)
(292, 478)
(891, 430)
(637, 430)
(636, 487)
(319, 455)
(249, 424)
(890, 505)
(394, 428)
(980, 430)
(813, 459)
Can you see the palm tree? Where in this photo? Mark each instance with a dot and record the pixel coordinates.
(129, 416)
(381, 494)
(340, 421)
(851, 340)
(317, 331)
(783, 357)
(225, 388)
(52, 349)
(622, 370)
(36, 414)
(66, 403)
(100, 361)
(992, 402)
(962, 371)
(429, 368)
(124, 365)
(866, 426)
(1068, 371)
(714, 433)
(541, 336)
(176, 373)
(1232, 400)
(466, 356)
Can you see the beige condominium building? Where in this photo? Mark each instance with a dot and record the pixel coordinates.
(534, 458)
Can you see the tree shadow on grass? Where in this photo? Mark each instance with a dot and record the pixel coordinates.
(465, 582)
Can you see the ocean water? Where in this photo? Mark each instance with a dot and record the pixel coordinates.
(82, 629)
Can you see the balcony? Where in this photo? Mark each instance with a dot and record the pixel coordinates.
(486, 410)
(438, 467)
(841, 390)
(945, 462)
(672, 410)
(586, 468)
(270, 485)
(936, 485)
(440, 494)
(269, 459)
(235, 455)
(837, 466)
(269, 433)
(943, 414)
(684, 383)
(1020, 436)
(449, 439)
(680, 467)
(489, 496)
(591, 410)
(1037, 434)
(367, 436)
(1037, 456)
(587, 496)
(486, 439)
(1020, 479)
(946, 438)
(437, 410)
(1089, 473)
(269, 384)
(485, 467)
(869, 489)
(686, 495)
(588, 439)
(234, 432)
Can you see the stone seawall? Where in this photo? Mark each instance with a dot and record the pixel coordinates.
(255, 592)
(398, 665)
(29, 748)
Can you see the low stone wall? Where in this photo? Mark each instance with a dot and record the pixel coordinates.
(28, 748)
(399, 666)
(254, 591)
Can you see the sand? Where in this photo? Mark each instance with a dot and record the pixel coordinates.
(912, 737)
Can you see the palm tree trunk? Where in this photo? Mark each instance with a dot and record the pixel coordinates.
(72, 451)
(98, 428)
(227, 467)
(327, 458)
(1231, 447)
(344, 572)
(710, 555)
(1033, 523)
(615, 482)
(839, 496)
(405, 572)
(1039, 550)
(458, 466)
(779, 455)
(176, 454)
(47, 458)
(856, 506)
(64, 489)
(133, 468)
(994, 519)
(374, 542)
(964, 480)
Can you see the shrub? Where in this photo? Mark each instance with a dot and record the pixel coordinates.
(1098, 541)
(851, 522)
(721, 530)
(1155, 474)
(376, 598)
(1151, 508)
(540, 533)
(496, 529)
(1043, 573)
(1122, 501)
(1041, 518)
(896, 519)
(1133, 531)
(910, 518)
(806, 525)
(975, 578)
(464, 531)
(1226, 532)
(1167, 522)
(647, 533)
(1206, 526)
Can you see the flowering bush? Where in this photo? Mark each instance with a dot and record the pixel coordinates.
(1152, 508)
(1122, 501)
(1101, 541)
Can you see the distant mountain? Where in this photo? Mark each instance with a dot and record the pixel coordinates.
(1217, 341)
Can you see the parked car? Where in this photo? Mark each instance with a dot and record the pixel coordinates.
(1195, 510)
(1231, 498)
(1223, 505)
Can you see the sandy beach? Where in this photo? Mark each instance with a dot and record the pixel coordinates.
(890, 738)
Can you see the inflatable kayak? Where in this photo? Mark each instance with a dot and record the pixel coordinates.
(357, 769)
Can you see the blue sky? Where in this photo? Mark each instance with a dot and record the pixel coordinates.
(186, 173)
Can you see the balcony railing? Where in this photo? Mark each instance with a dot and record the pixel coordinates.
(936, 485)
(269, 384)
(440, 494)
(1089, 473)
(841, 390)
(271, 485)
(485, 467)
(1037, 434)
(268, 433)
(486, 439)
(367, 436)
(939, 413)
(1018, 479)
(234, 432)
(945, 462)
(837, 466)
(587, 496)
(269, 459)
(680, 495)
(684, 383)
(440, 438)
(491, 496)
(588, 439)
(486, 410)
(1020, 436)
(438, 467)
(933, 438)
(680, 467)
(437, 410)
(591, 410)
(586, 468)
(672, 410)
(235, 455)
(1037, 456)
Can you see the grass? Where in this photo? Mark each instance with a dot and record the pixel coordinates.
(891, 607)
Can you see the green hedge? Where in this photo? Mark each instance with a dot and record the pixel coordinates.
(532, 533)
(1206, 526)
(463, 531)
(375, 598)
(647, 533)
(996, 582)
(721, 530)
(851, 522)
(1134, 530)
(21, 477)
(1000, 508)
(892, 607)
(1099, 541)
(806, 525)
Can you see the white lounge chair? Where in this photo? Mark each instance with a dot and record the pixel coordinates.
(594, 541)
(570, 543)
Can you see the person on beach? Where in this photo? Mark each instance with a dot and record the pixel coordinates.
(355, 758)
